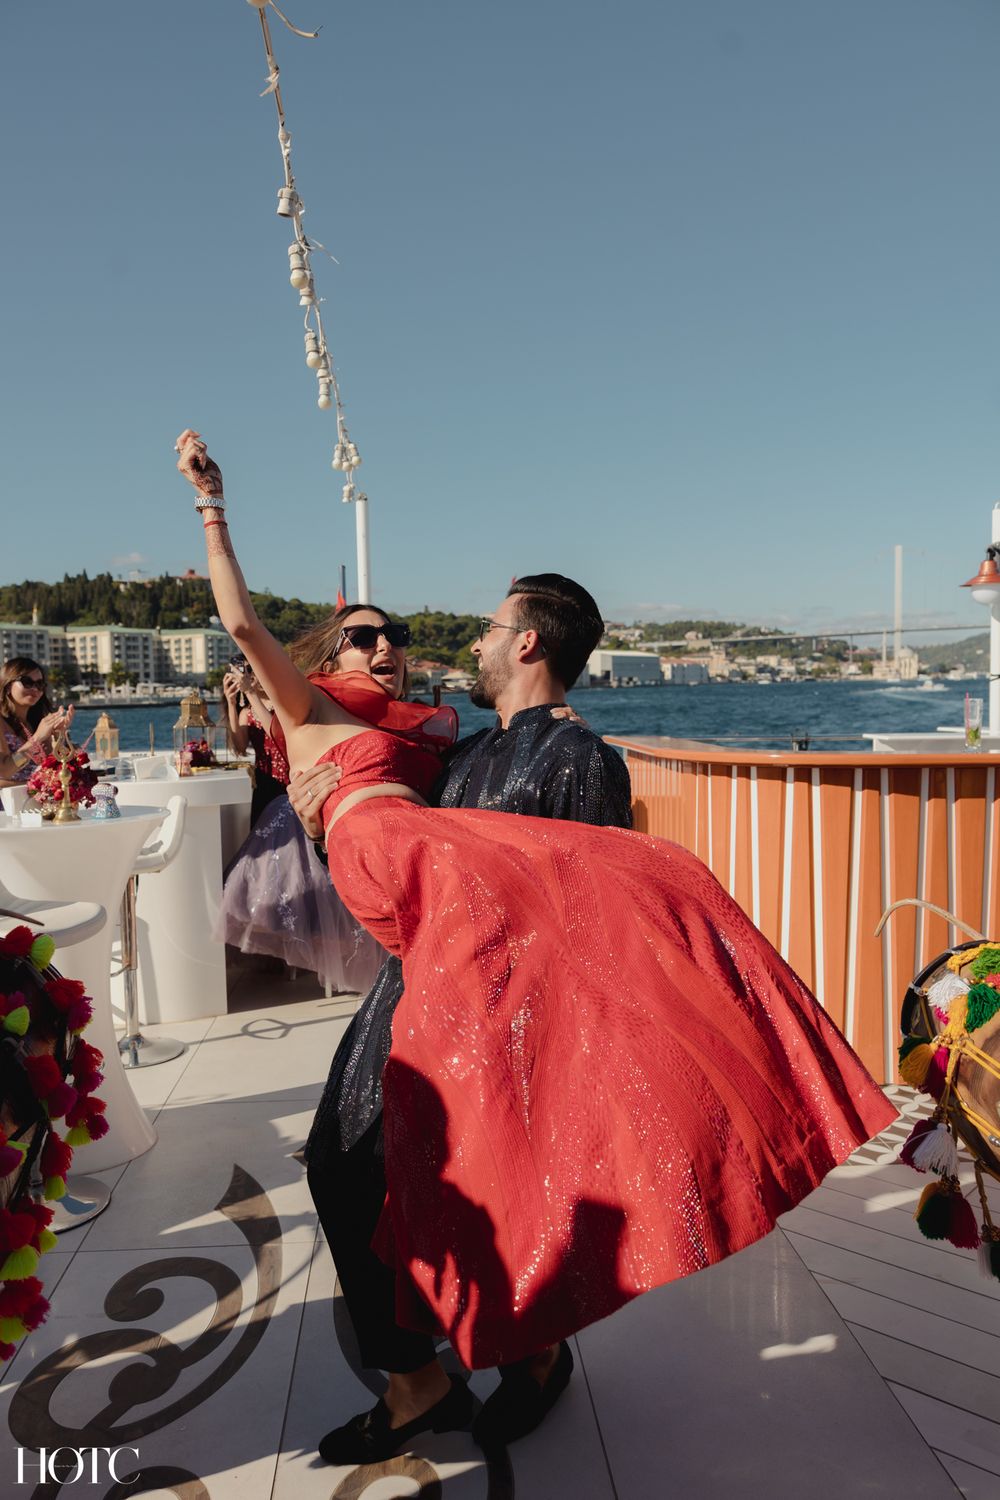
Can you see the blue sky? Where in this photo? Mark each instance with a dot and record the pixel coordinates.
(697, 302)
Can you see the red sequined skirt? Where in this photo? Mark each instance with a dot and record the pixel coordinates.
(602, 1077)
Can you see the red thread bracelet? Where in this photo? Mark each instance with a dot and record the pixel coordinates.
(207, 524)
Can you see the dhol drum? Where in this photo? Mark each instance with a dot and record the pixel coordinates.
(950, 1020)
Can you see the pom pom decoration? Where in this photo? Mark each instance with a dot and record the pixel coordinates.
(17, 942)
(983, 1004)
(39, 1013)
(15, 1017)
(987, 961)
(43, 950)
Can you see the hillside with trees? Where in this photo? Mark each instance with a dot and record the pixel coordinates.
(170, 603)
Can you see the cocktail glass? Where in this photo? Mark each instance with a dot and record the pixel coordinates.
(973, 723)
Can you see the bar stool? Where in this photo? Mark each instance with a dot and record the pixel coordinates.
(66, 923)
(136, 1050)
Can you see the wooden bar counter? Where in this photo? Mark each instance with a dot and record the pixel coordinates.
(815, 846)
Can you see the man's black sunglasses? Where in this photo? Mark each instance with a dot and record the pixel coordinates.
(31, 682)
(365, 637)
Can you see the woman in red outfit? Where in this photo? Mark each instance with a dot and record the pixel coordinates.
(602, 1076)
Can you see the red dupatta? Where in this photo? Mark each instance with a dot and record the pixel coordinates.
(434, 729)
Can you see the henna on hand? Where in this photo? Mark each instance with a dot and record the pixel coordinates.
(196, 466)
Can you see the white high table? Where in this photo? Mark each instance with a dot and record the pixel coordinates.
(88, 861)
(182, 966)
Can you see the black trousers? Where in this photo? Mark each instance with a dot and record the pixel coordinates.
(348, 1189)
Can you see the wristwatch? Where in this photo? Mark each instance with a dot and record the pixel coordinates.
(209, 502)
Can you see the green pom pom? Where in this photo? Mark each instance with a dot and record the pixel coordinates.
(11, 1329)
(55, 1188)
(44, 947)
(988, 962)
(77, 1135)
(47, 1241)
(984, 1002)
(19, 1265)
(17, 1021)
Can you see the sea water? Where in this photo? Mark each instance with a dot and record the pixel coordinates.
(833, 715)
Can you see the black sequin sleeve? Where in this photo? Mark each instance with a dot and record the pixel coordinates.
(589, 783)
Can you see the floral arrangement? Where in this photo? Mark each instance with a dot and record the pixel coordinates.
(48, 1073)
(201, 752)
(962, 999)
(45, 786)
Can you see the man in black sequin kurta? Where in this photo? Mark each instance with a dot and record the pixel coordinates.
(532, 763)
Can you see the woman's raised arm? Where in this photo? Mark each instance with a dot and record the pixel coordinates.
(293, 697)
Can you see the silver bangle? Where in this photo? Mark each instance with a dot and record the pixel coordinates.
(210, 502)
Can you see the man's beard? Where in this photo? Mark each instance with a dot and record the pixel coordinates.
(493, 678)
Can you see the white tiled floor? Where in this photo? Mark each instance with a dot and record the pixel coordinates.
(845, 1355)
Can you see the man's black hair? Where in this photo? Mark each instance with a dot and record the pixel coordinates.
(565, 616)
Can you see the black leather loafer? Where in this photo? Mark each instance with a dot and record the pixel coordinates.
(519, 1403)
(368, 1438)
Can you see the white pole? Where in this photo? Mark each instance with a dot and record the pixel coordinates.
(995, 644)
(897, 638)
(364, 566)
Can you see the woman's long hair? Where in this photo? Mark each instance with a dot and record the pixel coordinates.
(315, 648)
(16, 667)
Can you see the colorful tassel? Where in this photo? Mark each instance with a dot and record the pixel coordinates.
(936, 1152)
(989, 1252)
(11, 1329)
(914, 1063)
(937, 1072)
(7, 1351)
(933, 1211)
(984, 1002)
(963, 1231)
(921, 1129)
(958, 1012)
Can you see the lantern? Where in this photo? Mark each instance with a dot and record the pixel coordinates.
(106, 738)
(194, 736)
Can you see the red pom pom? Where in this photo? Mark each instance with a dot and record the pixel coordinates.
(16, 1297)
(17, 1229)
(7, 1351)
(98, 1127)
(79, 1014)
(62, 1098)
(63, 992)
(43, 1074)
(17, 943)
(56, 1156)
(85, 1059)
(41, 1213)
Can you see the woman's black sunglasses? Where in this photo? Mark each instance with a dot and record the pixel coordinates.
(31, 682)
(364, 637)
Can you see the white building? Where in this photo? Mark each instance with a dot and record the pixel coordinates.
(186, 655)
(624, 668)
(155, 656)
